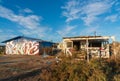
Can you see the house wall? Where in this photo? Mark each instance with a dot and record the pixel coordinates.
(23, 47)
(94, 46)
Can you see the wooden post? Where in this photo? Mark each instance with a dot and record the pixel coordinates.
(87, 50)
(114, 50)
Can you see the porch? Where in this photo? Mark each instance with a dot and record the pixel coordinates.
(93, 46)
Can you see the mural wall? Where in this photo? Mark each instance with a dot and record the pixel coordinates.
(23, 47)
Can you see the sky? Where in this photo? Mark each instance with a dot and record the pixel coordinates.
(53, 19)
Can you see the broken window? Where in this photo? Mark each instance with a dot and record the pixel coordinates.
(69, 44)
(94, 44)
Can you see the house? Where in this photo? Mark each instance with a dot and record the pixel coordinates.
(25, 45)
(94, 46)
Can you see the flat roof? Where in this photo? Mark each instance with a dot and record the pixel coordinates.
(88, 37)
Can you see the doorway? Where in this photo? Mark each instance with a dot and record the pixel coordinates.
(76, 45)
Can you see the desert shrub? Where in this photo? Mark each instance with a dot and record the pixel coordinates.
(2, 50)
(46, 75)
(112, 69)
(95, 70)
(97, 75)
(117, 77)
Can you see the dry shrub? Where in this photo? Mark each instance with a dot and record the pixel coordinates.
(117, 77)
(45, 75)
(95, 70)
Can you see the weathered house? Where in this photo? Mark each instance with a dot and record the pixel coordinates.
(25, 45)
(95, 46)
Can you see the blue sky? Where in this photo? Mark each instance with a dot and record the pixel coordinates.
(54, 19)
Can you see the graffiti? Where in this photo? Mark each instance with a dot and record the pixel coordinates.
(22, 46)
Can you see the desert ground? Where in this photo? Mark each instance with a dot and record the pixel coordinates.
(39, 68)
(23, 68)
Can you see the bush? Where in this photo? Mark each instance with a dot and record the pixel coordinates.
(95, 70)
(2, 50)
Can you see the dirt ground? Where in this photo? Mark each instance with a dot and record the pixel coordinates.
(23, 68)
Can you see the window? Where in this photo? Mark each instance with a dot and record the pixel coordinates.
(69, 44)
(95, 44)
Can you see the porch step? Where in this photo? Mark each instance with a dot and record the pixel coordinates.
(80, 56)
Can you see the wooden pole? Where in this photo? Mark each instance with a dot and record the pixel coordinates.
(114, 50)
(87, 50)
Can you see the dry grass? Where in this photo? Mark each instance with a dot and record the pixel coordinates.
(35, 68)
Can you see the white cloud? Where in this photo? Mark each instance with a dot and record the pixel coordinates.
(27, 10)
(88, 20)
(71, 10)
(90, 30)
(30, 21)
(93, 10)
(38, 32)
(6, 35)
(6, 30)
(66, 30)
(30, 24)
(112, 18)
(88, 11)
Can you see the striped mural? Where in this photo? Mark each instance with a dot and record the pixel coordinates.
(23, 47)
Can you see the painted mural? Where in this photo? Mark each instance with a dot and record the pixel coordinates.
(23, 47)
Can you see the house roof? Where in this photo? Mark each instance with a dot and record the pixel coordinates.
(88, 37)
(18, 37)
(82, 37)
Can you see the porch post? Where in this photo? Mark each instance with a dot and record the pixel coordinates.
(87, 50)
(114, 49)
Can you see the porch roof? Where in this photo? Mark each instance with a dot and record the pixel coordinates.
(98, 38)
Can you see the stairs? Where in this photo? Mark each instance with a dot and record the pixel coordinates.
(79, 54)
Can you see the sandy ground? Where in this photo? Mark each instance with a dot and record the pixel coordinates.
(18, 67)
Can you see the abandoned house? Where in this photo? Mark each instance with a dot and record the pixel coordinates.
(25, 45)
(94, 46)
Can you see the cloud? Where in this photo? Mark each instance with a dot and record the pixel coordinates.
(6, 35)
(37, 32)
(90, 30)
(93, 10)
(66, 30)
(112, 18)
(27, 10)
(30, 21)
(88, 11)
(30, 24)
(71, 10)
